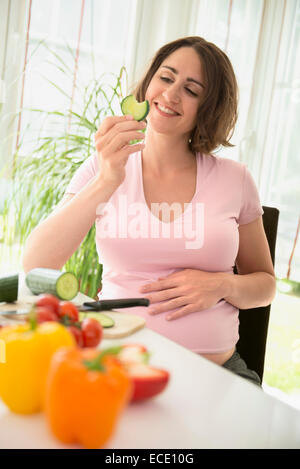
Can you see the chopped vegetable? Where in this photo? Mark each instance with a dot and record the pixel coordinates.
(62, 284)
(147, 381)
(130, 105)
(104, 320)
(134, 353)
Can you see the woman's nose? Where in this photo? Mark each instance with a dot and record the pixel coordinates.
(172, 94)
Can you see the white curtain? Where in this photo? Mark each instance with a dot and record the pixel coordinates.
(261, 38)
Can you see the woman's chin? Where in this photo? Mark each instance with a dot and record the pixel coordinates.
(160, 127)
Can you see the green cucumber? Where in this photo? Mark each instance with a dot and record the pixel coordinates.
(9, 288)
(139, 111)
(62, 284)
(104, 320)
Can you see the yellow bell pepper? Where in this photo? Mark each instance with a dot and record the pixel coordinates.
(28, 352)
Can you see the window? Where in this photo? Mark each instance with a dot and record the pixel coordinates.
(261, 38)
(55, 75)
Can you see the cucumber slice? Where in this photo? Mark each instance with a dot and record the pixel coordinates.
(104, 320)
(139, 111)
(9, 288)
(62, 284)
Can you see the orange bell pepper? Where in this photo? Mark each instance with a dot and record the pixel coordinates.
(86, 393)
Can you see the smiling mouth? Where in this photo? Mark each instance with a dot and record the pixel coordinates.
(166, 110)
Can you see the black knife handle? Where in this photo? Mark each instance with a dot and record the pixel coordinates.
(111, 304)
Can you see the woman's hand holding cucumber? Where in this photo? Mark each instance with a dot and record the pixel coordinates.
(113, 148)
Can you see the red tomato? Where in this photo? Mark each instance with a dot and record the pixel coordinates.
(92, 332)
(49, 301)
(66, 308)
(44, 314)
(77, 333)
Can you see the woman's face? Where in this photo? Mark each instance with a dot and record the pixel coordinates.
(175, 92)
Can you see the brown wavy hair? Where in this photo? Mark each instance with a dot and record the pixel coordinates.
(217, 113)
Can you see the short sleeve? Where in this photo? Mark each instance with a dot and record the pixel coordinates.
(250, 203)
(83, 175)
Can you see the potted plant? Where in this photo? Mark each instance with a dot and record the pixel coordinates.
(40, 177)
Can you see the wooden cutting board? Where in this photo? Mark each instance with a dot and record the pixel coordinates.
(125, 324)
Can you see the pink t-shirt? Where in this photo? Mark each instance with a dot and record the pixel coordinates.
(136, 248)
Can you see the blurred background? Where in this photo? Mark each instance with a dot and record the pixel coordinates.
(66, 64)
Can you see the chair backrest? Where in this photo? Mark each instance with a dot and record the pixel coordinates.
(254, 322)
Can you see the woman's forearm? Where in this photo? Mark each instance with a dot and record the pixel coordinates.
(54, 240)
(250, 290)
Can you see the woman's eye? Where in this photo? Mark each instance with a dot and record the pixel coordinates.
(191, 92)
(169, 80)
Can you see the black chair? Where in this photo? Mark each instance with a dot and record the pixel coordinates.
(254, 322)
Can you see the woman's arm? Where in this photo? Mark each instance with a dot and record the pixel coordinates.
(256, 284)
(54, 240)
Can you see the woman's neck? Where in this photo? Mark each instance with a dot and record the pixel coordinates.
(164, 154)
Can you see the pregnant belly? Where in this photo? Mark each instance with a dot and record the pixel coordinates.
(212, 333)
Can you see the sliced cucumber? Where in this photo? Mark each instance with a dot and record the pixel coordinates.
(139, 111)
(9, 288)
(62, 284)
(104, 320)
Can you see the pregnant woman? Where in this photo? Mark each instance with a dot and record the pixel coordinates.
(172, 218)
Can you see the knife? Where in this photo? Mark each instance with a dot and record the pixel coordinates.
(104, 305)
(17, 315)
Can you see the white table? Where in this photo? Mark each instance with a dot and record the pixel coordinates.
(204, 406)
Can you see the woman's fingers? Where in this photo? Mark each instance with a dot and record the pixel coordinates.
(114, 124)
(110, 122)
(163, 295)
(119, 135)
(161, 284)
(127, 150)
(123, 131)
(168, 305)
(124, 138)
(184, 311)
(112, 145)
